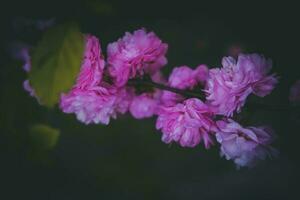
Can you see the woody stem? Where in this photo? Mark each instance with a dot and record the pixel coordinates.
(199, 95)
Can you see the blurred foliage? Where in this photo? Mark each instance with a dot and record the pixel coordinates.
(56, 62)
(43, 137)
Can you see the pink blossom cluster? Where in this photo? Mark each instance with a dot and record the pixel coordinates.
(93, 99)
(187, 123)
(135, 54)
(184, 78)
(104, 89)
(228, 87)
(244, 145)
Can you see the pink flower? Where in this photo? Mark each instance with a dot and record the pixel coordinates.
(92, 99)
(158, 77)
(92, 65)
(146, 104)
(135, 54)
(95, 105)
(201, 74)
(186, 123)
(184, 77)
(181, 78)
(295, 92)
(245, 146)
(227, 88)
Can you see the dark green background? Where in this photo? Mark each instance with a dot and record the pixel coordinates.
(126, 159)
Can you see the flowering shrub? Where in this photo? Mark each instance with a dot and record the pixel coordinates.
(192, 106)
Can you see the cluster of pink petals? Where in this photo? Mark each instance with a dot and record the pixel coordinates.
(183, 78)
(92, 99)
(146, 104)
(92, 65)
(135, 54)
(295, 92)
(95, 105)
(228, 87)
(187, 123)
(245, 146)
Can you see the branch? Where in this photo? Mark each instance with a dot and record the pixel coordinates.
(165, 87)
(194, 94)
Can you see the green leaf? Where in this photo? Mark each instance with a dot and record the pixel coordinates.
(56, 62)
(43, 137)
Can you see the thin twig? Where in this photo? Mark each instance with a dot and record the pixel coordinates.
(165, 87)
(193, 94)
